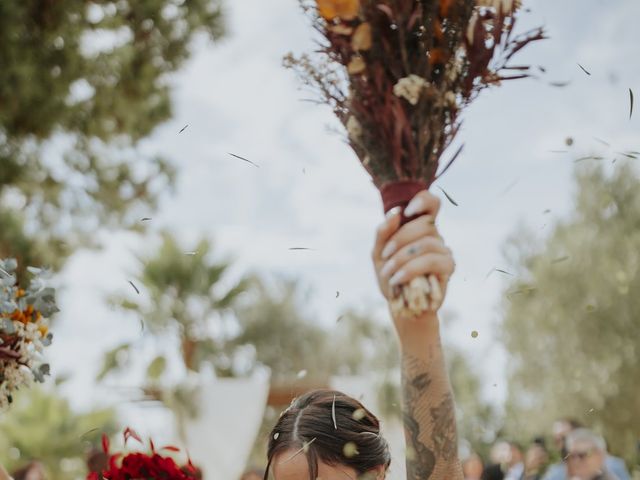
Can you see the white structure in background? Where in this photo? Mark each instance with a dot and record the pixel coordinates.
(219, 441)
(365, 389)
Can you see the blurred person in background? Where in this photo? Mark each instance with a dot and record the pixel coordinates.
(515, 463)
(586, 453)
(558, 471)
(536, 460)
(472, 467)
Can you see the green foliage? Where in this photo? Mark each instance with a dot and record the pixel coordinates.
(188, 296)
(84, 82)
(572, 317)
(477, 419)
(42, 426)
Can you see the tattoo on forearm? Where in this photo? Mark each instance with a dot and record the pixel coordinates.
(429, 420)
(420, 460)
(444, 431)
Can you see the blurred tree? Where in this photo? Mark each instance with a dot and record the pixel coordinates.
(42, 426)
(81, 83)
(478, 422)
(572, 317)
(189, 296)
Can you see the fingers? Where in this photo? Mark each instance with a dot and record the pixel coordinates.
(423, 203)
(385, 231)
(416, 229)
(439, 264)
(407, 253)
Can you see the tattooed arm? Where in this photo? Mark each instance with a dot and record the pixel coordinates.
(400, 254)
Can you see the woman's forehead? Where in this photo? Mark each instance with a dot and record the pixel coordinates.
(293, 465)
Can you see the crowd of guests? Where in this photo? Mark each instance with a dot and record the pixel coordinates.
(582, 455)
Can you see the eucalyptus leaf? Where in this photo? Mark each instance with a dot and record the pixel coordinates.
(157, 367)
(7, 326)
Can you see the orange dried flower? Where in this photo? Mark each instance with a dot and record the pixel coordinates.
(356, 65)
(361, 40)
(343, 9)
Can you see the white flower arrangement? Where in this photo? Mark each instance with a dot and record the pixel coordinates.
(24, 329)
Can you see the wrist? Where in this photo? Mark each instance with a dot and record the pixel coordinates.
(417, 334)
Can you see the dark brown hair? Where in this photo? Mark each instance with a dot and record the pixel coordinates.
(329, 426)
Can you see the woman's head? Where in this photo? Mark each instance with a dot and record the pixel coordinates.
(327, 435)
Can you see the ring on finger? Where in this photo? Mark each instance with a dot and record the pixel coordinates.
(413, 250)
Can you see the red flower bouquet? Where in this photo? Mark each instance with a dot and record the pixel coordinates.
(138, 465)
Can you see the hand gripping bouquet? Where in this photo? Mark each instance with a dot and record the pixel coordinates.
(24, 329)
(397, 74)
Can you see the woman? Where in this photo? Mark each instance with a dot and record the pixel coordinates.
(330, 436)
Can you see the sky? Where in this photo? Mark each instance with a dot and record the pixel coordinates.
(310, 191)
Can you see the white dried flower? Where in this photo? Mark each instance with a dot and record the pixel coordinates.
(450, 98)
(354, 129)
(507, 6)
(410, 88)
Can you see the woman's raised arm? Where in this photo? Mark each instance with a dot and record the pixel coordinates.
(400, 254)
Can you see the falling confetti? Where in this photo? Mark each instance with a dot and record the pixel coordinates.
(358, 414)
(276, 435)
(350, 450)
(548, 210)
(603, 142)
(244, 159)
(509, 187)
(301, 374)
(561, 259)
(584, 70)
(191, 253)
(499, 271)
(474, 334)
(630, 103)
(339, 318)
(300, 248)
(145, 219)
(448, 197)
(568, 141)
(86, 434)
(337, 294)
(559, 84)
(134, 287)
(333, 413)
(305, 449)
(183, 128)
(589, 157)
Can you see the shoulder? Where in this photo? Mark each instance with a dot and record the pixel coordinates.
(557, 471)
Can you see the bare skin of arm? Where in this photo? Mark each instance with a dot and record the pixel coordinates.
(399, 255)
(3, 474)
